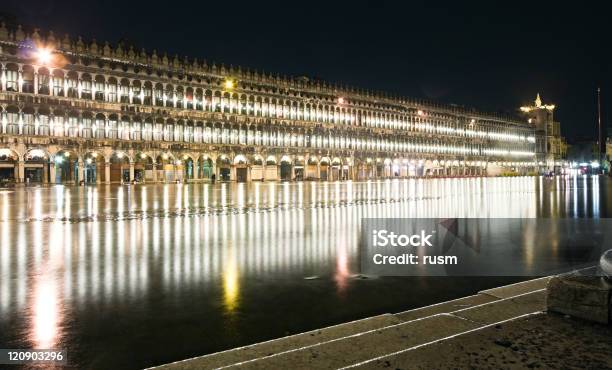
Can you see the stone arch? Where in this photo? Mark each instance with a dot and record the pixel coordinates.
(94, 164)
(65, 164)
(224, 167)
(144, 165)
(36, 165)
(205, 166)
(119, 166)
(9, 160)
(324, 168)
(166, 168)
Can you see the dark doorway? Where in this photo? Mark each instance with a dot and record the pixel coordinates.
(241, 174)
(285, 171)
(225, 174)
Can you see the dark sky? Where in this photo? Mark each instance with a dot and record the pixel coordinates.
(486, 55)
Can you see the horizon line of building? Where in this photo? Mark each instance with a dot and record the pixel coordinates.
(73, 112)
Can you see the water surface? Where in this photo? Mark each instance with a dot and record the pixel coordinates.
(125, 277)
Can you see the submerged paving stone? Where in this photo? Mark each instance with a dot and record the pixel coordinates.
(586, 297)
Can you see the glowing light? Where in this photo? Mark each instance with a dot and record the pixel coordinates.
(340, 100)
(5, 152)
(142, 155)
(46, 315)
(43, 56)
(88, 160)
(67, 154)
(228, 84)
(164, 156)
(94, 154)
(37, 153)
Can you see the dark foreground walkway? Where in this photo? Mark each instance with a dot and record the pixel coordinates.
(540, 341)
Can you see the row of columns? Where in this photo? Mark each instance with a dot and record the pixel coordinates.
(353, 172)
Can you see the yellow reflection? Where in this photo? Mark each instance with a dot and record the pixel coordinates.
(231, 286)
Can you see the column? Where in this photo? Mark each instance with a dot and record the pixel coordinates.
(196, 169)
(131, 171)
(263, 168)
(45, 176)
(52, 172)
(154, 168)
(80, 171)
(20, 171)
(3, 78)
(318, 171)
(20, 79)
(232, 172)
(107, 172)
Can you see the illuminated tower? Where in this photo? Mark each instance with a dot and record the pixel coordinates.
(551, 147)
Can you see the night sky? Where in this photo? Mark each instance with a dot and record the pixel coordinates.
(489, 56)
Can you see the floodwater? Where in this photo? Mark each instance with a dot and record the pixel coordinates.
(125, 277)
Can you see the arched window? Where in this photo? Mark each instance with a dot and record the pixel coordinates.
(43, 81)
(28, 121)
(12, 78)
(28, 80)
(137, 92)
(111, 95)
(87, 130)
(124, 91)
(72, 84)
(136, 130)
(99, 88)
(86, 87)
(159, 95)
(147, 93)
(99, 128)
(58, 82)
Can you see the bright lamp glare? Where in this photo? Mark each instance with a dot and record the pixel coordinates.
(43, 56)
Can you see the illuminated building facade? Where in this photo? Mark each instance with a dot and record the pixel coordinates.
(74, 111)
(551, 147)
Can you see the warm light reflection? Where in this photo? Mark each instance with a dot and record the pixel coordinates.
(71, 248)
(45, 315)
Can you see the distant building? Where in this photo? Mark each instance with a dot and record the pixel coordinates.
(551, 147)
(76, 111)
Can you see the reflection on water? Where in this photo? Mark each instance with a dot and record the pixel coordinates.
(190, 269)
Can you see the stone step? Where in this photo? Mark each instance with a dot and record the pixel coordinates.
(387, 341)
(275, 346)
(484, 296)
(461, 319)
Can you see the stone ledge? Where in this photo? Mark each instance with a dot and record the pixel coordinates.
(585, 297)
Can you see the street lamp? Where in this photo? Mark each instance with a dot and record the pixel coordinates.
(228, 84)
(43, 55)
